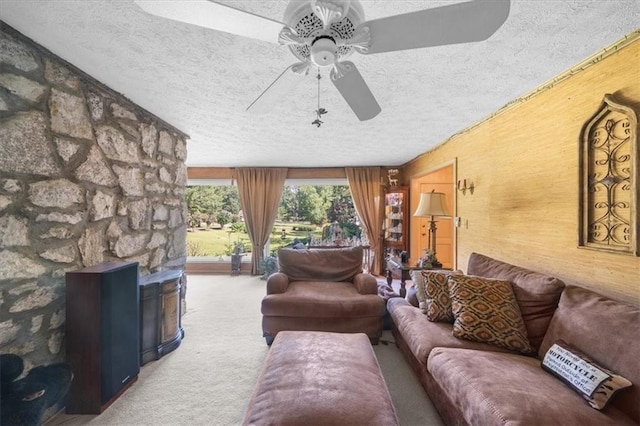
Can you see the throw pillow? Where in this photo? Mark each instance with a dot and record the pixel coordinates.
(594, 383)
(419, 283)
(412, 296)
(486, 310)
(433, 294)
(438, 303)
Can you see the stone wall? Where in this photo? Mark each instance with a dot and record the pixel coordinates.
(85, 177)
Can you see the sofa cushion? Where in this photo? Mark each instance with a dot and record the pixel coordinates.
(596, 384)
(537, 293)
(340, 264)
(323, 299)
(486, 310)
(608, 331)
(422, 335)
(492, 388)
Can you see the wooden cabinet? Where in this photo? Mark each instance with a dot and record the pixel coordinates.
(396, 220)
(102, 334)
(160, 314)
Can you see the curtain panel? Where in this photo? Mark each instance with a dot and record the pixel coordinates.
(260, 190)
(366, 190)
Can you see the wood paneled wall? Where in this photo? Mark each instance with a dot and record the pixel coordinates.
(524, 164)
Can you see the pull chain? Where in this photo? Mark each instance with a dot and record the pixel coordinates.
(320, 111)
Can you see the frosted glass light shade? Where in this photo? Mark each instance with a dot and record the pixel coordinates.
(432, 204)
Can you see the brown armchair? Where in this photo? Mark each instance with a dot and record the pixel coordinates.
(322, 290)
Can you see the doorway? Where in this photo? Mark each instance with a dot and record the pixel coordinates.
(440, 179)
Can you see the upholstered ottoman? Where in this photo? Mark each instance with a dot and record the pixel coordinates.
(320, 378)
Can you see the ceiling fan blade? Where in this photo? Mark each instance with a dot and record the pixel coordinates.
(457, 23)
(216, 16)
(282, 85)
(349, 82)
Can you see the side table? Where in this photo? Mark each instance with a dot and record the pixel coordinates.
(402, 271)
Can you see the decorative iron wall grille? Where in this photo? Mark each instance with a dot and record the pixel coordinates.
(609, 179)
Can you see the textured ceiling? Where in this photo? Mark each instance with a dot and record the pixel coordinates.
(201, 80)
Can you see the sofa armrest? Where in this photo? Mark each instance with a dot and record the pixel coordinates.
(365, 283)
(277, 283)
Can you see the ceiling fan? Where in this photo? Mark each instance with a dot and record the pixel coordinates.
(324, 33)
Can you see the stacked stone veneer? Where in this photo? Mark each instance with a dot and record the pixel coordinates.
(85, 177)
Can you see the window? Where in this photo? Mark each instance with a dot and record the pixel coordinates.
(307, 212)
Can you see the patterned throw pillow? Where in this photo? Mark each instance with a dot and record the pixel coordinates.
(594, 383)
(432, 293)
(438, 303)
(486, 310)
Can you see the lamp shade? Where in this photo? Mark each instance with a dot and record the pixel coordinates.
(432, 204)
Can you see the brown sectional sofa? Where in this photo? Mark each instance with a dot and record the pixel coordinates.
(481, 384)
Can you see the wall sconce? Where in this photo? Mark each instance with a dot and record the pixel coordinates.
(463, 187)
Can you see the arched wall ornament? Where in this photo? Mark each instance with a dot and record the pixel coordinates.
(609, 179)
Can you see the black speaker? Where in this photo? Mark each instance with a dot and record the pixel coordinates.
(102, 334)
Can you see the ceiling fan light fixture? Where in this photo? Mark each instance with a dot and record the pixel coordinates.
(324, 51)
(330, 11)
(306, 25)
(323, 33)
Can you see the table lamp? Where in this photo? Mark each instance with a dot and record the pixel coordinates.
(432, 204)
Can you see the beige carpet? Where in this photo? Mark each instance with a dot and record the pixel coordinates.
(208, 380)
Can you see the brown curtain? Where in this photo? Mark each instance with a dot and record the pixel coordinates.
(260, 190)
(366, 190)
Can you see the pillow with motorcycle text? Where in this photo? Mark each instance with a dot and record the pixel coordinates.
(594, 383)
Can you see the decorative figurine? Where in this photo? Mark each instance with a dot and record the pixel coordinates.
(427, 261)
(391, 175)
